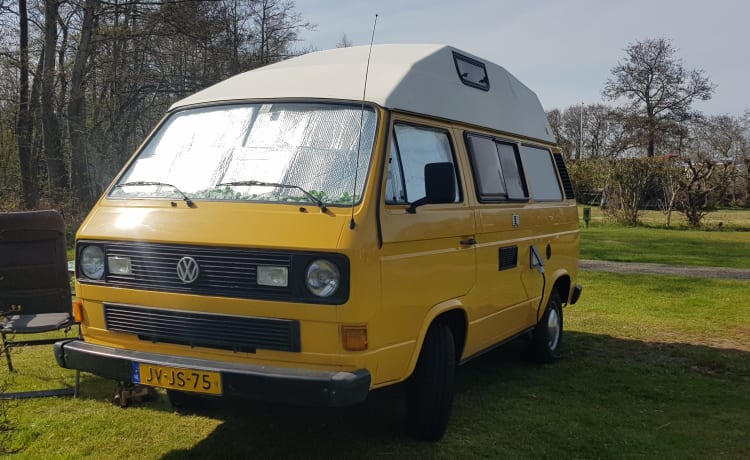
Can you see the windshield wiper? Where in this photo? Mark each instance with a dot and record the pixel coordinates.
(312, 197)
(186, 198)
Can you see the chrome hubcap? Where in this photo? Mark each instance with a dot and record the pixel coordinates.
(553, 327)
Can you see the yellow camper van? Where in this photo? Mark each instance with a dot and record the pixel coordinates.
(280, 236)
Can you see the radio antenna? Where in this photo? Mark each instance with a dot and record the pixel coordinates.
(352, 224)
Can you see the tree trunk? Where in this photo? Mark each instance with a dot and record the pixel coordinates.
(81, 178)
(263, 37)
(53, 152)
(651, 148)
(651, 129)
(25, 123)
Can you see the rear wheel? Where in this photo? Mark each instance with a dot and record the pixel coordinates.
(546, 339)
(429, 398)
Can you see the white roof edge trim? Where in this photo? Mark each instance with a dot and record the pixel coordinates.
(420, 79)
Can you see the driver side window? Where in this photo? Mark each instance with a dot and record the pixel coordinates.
(411, 149)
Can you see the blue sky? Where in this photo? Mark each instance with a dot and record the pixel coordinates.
(564, 49)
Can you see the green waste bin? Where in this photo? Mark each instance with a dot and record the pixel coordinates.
(586, 216)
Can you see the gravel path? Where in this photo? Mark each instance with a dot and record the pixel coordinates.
(660, 269)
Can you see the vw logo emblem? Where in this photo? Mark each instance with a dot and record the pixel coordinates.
(187, 270)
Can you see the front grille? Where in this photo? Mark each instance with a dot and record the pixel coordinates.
(226, 332)
(223, 272)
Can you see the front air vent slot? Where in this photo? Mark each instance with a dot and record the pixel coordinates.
(225, 332)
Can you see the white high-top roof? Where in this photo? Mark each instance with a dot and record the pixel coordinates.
(414, 78)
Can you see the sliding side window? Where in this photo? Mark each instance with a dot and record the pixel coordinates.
(412, 148)
(497, 171)
(541, 174)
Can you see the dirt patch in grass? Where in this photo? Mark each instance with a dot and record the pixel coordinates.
(724, 342)
(661, 269)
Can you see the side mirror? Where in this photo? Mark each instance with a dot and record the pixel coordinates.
(439, 185)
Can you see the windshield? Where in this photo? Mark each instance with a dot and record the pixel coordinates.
(228, 152)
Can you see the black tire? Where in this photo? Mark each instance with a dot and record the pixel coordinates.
(183, 401)
(429, 397)
(546, 339)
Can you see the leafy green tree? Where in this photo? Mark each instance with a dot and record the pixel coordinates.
(629, 184)
(694, 194)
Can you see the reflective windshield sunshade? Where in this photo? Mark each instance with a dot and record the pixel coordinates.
(310, 146)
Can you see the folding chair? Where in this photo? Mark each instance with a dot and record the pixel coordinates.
(34, 286)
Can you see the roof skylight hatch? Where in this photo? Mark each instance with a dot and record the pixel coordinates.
(471, 72)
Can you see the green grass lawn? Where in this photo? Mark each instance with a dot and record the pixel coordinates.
(676, 247)
(730, 247)
(654, 367)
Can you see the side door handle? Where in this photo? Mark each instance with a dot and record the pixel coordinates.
(468, 242)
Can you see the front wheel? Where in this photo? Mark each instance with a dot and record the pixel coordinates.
(183, 401)
(546, 339)
(429, 397)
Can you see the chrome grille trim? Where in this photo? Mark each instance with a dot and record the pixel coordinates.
(223, 272)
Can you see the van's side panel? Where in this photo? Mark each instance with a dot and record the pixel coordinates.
(507, 298)
(422, 261)
(497, 305)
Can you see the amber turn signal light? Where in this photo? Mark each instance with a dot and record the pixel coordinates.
(78, 311)
(354, 337)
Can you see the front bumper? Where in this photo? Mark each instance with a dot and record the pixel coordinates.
(299, 386)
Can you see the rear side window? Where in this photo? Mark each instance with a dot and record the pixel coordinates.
(497, 171)
(412, 148)
(541, 174)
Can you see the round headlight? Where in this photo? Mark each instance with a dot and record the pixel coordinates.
(92, 262)
(323, 278)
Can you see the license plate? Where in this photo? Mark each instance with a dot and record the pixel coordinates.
(177, 378)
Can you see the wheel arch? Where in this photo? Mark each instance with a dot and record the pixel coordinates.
(452, 313)
(562, 285)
